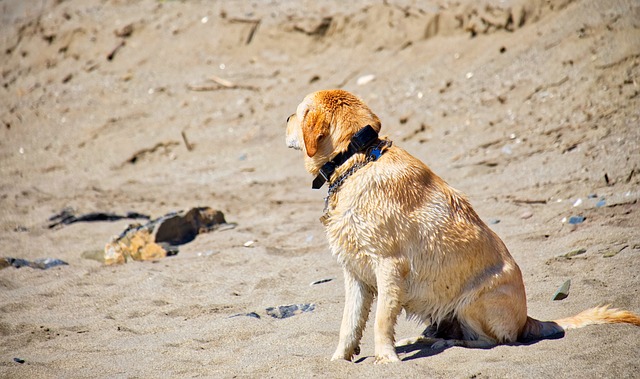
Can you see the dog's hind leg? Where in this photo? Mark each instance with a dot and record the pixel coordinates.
(358, 300)
(494, 317)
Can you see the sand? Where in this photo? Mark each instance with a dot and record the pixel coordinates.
(530, 108)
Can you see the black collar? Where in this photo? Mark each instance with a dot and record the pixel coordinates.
(360, 141)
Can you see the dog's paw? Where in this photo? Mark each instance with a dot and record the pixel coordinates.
(386, 358)
(416, 340)
(408, 341)
(342, 355)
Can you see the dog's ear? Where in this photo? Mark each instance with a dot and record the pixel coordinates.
(314, 128)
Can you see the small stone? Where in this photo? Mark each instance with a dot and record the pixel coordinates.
(207, 253)
(526, 215)
(364, 79)
(250, 314)
(494, 221)
(19, 360)
(46, 263)
(573, 253)
(601, 203)
(286, 311)
(125, 31)
(563, 291)
(321, 281)
(577, 203)
(249, 243)
(42, 264)
(575, 220)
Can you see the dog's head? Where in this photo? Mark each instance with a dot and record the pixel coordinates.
(324, 123)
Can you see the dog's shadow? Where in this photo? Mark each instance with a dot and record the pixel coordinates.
(425, 350)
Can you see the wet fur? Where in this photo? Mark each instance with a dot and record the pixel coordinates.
(406, 238)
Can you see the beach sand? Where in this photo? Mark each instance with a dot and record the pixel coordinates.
(531, 108)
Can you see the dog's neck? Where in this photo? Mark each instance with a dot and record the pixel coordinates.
(362, 141)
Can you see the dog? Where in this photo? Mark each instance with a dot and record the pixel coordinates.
(405, 237)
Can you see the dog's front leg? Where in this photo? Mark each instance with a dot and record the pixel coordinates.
(358, 299)
(389, 277)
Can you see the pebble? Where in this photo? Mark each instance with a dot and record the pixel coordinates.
(19, 360)
(573, 253)
(250, 314)
(286, 311)
(364, 79)
(42, 263)
(526, 214)
(207, 253)
(577, 203)
(601, 203)
(321, 281)
(494, 221)
(563, 291)
(575, 220)
(249, 243)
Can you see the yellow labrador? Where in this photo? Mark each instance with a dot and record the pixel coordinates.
(403, 235)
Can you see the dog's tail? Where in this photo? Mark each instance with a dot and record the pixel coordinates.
(537, 330)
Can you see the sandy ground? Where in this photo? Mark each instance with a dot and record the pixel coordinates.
(526, 106)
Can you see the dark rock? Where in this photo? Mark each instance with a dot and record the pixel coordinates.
(19, 360)
(159, 238)
(183, 227)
